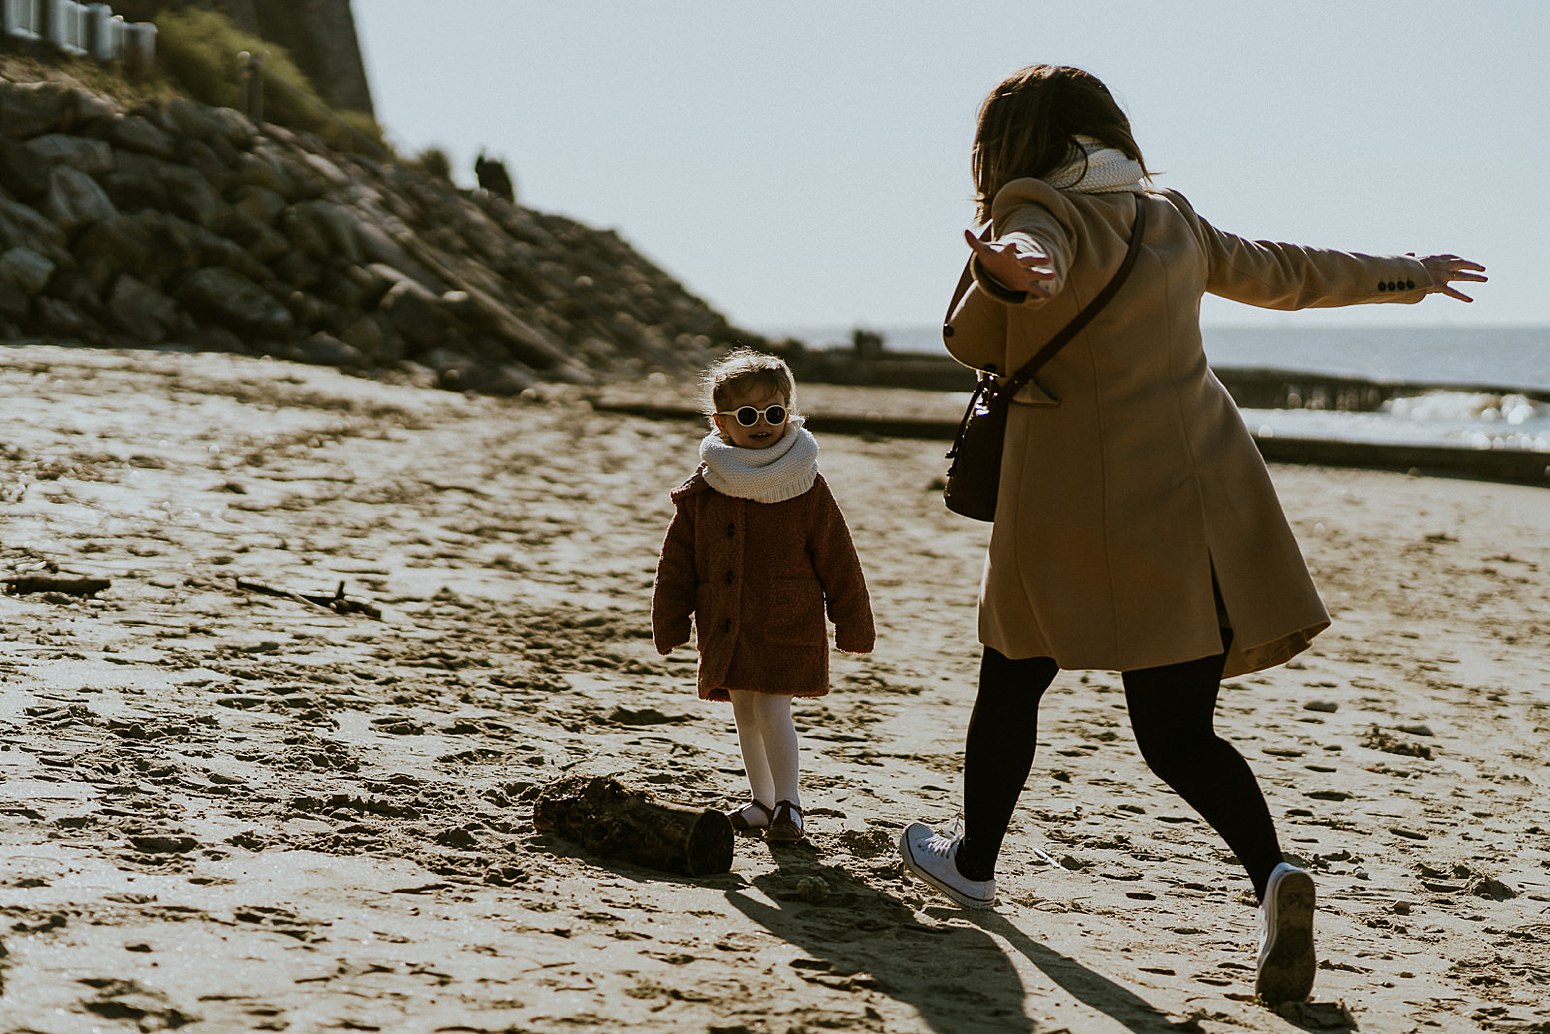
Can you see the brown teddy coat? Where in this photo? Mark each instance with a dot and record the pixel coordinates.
(757, 579)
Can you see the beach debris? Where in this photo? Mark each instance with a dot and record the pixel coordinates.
(339, 603)
(1324, 706)
(1379, 739)
(70, 585)
(1483, 886)
(164, 844)
(645, 716)
(617, 821)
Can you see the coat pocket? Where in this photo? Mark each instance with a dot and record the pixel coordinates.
(795, 612)
(1033, 394)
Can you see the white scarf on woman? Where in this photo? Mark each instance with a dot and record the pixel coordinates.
(783, 471)
(1106, 170)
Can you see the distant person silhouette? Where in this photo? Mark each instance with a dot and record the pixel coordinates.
(494, 177)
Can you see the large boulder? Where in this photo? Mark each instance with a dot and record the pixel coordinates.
(234, 302)
(220, 127)
(141, 180)
(93, 157)
(60, 320)
(417, 314)
(26, 269)
(75, 200)
(22, 225)
(19, 173)
(141, 311)
(32, 109)
(139, 134)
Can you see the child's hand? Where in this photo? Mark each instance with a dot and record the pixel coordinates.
(847, 643)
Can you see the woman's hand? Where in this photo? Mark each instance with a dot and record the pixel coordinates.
(1444, 269)
(1014, 268)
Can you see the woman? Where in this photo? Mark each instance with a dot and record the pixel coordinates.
(1137, 529)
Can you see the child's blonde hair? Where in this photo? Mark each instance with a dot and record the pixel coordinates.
(745, 366)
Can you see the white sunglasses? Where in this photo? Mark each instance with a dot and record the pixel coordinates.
(747, 416)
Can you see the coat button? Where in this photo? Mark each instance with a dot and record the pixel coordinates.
(731, 531)
(947, 330)
(1382, 286)
(1410, 285)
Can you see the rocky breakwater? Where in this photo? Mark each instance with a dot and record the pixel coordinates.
(175, 223)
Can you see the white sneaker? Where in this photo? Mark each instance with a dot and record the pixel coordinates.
(1286, 959)
(934, 858)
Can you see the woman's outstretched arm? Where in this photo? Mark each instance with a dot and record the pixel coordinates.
(1015, 267)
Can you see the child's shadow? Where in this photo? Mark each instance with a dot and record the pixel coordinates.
(958, 978)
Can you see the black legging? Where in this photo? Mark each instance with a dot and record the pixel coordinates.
(1171, 709)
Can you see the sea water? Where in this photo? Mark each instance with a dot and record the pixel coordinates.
(1482, 378)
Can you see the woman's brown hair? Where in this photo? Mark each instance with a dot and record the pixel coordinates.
(1029, 123)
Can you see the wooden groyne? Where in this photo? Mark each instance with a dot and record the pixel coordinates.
(845, 395)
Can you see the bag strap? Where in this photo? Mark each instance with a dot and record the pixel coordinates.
(1025, 373)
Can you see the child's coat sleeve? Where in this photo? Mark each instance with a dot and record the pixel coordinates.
(839, 570)
(673, 596)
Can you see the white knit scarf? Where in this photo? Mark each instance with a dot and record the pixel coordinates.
(1106, 170)
(783, 471)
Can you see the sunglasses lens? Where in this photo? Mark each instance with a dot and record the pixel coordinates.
(747, 416)
(775, 414)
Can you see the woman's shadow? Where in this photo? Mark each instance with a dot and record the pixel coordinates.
(958, 978)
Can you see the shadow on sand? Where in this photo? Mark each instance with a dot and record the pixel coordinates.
(1127, 1008)
(958, 978)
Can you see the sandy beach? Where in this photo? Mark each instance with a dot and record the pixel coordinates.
(222, 810)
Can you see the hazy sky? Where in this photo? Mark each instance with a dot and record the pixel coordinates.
(806, 163)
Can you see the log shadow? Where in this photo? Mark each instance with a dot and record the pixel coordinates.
(562, 847)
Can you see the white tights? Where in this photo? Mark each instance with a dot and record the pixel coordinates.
(769, 742)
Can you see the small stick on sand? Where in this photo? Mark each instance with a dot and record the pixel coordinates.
(337, 603)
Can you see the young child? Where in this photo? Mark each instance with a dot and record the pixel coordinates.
(756, 551)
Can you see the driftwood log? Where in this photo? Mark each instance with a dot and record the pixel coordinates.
(23, 585)
(616, 821)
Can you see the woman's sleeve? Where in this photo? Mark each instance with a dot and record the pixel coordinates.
(673, 593)
(1031, 214)
(1024, 213)
(1273, 275)
(839, 571)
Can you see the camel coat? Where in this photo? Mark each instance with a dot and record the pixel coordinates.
(757, 578)
(1128, 476)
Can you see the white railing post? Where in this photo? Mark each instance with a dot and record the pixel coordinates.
(140, 44)
(98, 39)
(81, 28)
